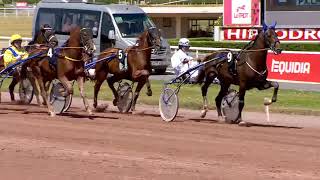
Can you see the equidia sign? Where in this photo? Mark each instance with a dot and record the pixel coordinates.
(294, 66)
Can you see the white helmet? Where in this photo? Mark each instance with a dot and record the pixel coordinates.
(184, 42)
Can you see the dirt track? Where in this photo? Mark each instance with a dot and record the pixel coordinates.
(124, 146)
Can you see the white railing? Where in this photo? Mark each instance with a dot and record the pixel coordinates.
(17, 11)
(197, 49)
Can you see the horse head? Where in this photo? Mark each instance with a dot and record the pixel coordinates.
(154, 38)
(86, 40)
(271, 38)
(48, 35)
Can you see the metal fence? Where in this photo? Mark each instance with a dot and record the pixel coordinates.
(16, 11)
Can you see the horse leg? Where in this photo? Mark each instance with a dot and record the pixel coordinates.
(14, 82)
(67, 85)
(80, 81)
(111, 80)
(149, 90)
(242, 93)
(100, 77)
(32, 79)
(267, 85)
(136, 95)
(223, 91)
(204, 91)
(44, 94)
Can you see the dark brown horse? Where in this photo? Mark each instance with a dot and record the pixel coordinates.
(70, 65)
(43, 40)
(138, 70)
(251, 70)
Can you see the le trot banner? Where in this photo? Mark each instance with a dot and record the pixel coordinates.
(241, 12)
(301, 67)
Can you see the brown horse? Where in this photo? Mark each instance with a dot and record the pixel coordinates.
(42, 40)
(70, 65)
(251, 70)
(138, 70)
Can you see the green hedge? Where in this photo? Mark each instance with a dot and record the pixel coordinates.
(208, 42)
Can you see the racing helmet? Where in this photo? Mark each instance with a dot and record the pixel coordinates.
(15, 37)
(184, 42)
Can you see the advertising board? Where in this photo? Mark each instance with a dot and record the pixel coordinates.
(294, 67)
(241, 13)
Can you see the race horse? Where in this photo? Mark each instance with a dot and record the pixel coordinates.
(70, 60)
(43, 39)
(138, 70)
(250, 67)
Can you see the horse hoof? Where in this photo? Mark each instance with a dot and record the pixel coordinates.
(203, 113)
(90, 112)
(115, 102)
(267, 101)
(52, 114)
(149, 93)
(243, 124)
(221, 119)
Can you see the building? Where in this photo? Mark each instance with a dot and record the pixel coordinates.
(184, 21)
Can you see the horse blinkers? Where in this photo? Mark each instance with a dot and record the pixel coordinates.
(49, 35)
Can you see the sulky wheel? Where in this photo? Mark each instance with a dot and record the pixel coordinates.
(26, 91)
(168, 104)
(57, 100)
(125, 97)
(230, 106)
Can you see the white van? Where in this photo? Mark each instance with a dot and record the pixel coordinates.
(114, 25)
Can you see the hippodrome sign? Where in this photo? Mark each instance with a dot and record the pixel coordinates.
(294, 66)
(284, 34)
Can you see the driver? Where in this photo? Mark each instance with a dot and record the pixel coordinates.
(15, 52)
(181, 61)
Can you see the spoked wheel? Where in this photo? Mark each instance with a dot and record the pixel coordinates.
(57, 100)
(168, 104)
(68, 103)
(230, 106)
(125, 97)
(25, 91)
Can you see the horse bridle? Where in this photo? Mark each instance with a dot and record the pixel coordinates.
(153, 39)
(85, 43)
(48, 38)
(272, 46)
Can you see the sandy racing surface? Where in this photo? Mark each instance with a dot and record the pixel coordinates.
(125, 146)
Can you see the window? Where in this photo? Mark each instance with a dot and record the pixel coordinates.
(62, 20)
(106, 26)
(132, 25)
(48, 16)
(82, 18)
(167, 22)
(201, 27)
